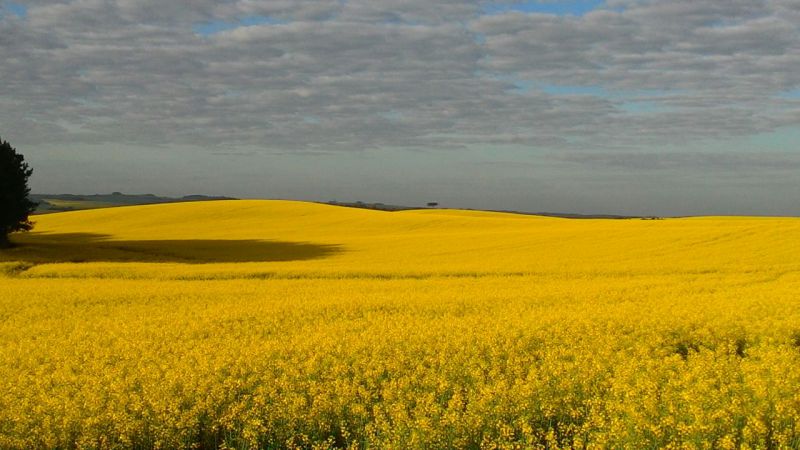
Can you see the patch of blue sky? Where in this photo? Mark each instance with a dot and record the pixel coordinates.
(793, 94)
(524, 86)
(641, 100)
(558, 8)
(16, 9)
(782, 139)
(642, 106)
(392, 115)
(638, 95)
(218, 26)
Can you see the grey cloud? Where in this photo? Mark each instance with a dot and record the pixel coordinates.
(710, 162)
(359, 74)
(664, 45)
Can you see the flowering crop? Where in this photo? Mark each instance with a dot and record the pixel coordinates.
(256, 324)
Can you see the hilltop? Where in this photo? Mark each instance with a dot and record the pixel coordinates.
(251, 322)
(290, 238)
(50, 203)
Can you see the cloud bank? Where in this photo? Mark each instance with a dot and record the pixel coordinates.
(335, 75)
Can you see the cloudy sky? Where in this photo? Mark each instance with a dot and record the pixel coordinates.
(663, 107)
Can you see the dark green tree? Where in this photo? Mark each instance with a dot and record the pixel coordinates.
(15, 206)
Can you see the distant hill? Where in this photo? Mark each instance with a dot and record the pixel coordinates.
(385, 207)
(576, 216)
(375, 206)
(51, 203)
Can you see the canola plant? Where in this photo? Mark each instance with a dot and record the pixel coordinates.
(271, 324)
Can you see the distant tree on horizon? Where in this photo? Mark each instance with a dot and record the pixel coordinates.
(15, 206)
(433, 204)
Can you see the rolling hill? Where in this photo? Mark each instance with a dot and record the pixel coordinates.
(278, 324)
(294, 238)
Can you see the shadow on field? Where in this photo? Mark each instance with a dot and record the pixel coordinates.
(86, 247)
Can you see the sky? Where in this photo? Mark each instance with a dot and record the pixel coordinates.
(669, 107)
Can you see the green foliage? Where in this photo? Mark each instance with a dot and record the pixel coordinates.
(15, 206)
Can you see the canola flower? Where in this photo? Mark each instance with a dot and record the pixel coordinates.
(263, 324)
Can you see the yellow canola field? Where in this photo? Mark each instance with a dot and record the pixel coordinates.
(275, 324)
